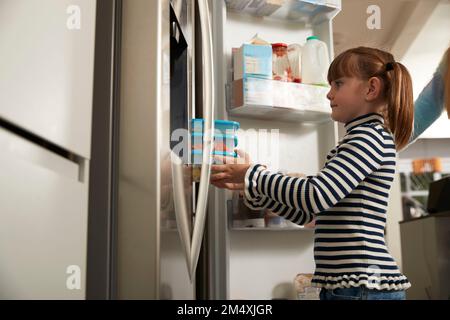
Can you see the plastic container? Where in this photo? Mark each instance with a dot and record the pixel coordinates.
(295, 61)
(273, 220)
(315, 62)
(222, 143)
(281, 67)
(220, 126)
(226, 127)
(225, 137)
(225, 141)
(276, 222)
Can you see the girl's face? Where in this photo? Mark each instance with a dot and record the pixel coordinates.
(347, 99)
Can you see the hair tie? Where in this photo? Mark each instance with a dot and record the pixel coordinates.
(389, 66)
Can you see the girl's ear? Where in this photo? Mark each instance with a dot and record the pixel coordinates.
(374, 88)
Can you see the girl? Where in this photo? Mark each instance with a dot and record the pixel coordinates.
(372, 95)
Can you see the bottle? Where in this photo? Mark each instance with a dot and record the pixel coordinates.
(280, 62)
(315, 62)
(295, 61)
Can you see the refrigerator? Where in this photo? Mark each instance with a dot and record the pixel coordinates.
(160, 210)
(45, 141)
(96, 201)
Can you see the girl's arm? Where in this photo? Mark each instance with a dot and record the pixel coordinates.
(360, 154)
(429, 105)
(295, 215)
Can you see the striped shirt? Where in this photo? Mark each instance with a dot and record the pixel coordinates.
(348, 198)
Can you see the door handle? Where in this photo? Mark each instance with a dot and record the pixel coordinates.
(208, 136)
(181, 211)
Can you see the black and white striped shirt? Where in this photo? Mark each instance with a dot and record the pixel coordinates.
(348, 198)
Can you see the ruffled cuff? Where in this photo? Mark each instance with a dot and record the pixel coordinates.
(251, 182)
(259, 204)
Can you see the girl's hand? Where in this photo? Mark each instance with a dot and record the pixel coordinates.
(229, 186)
(231, 173)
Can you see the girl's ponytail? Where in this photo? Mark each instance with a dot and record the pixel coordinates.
(400, 112)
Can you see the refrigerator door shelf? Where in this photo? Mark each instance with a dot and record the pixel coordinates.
(277, 100)
(293, 10)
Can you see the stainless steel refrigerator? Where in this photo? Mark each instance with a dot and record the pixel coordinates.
(46, 78)
(166, 79)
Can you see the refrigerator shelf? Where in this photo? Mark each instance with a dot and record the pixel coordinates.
(272, 229)
(277, 113)
(276, 100)
(308, 11)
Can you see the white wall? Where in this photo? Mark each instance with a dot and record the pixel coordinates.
(423, 57)
(427, 148)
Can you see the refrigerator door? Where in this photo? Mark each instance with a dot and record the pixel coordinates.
(47, 61)
(208, 103)
(43, 229)
(151, 255)
(180, 111)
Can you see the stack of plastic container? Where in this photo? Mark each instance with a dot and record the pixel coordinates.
(225, 141)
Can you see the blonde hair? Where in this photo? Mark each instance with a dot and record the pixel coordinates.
(365, 63)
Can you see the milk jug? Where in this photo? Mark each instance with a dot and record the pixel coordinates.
(315, 62)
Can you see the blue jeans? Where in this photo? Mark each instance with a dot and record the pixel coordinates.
(361, 293)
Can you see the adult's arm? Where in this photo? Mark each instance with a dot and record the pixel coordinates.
(429, 105)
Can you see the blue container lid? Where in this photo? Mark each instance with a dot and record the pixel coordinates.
(218, 136)
(216, 153)
(227, 123)
(218, 123)
(195, 121)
